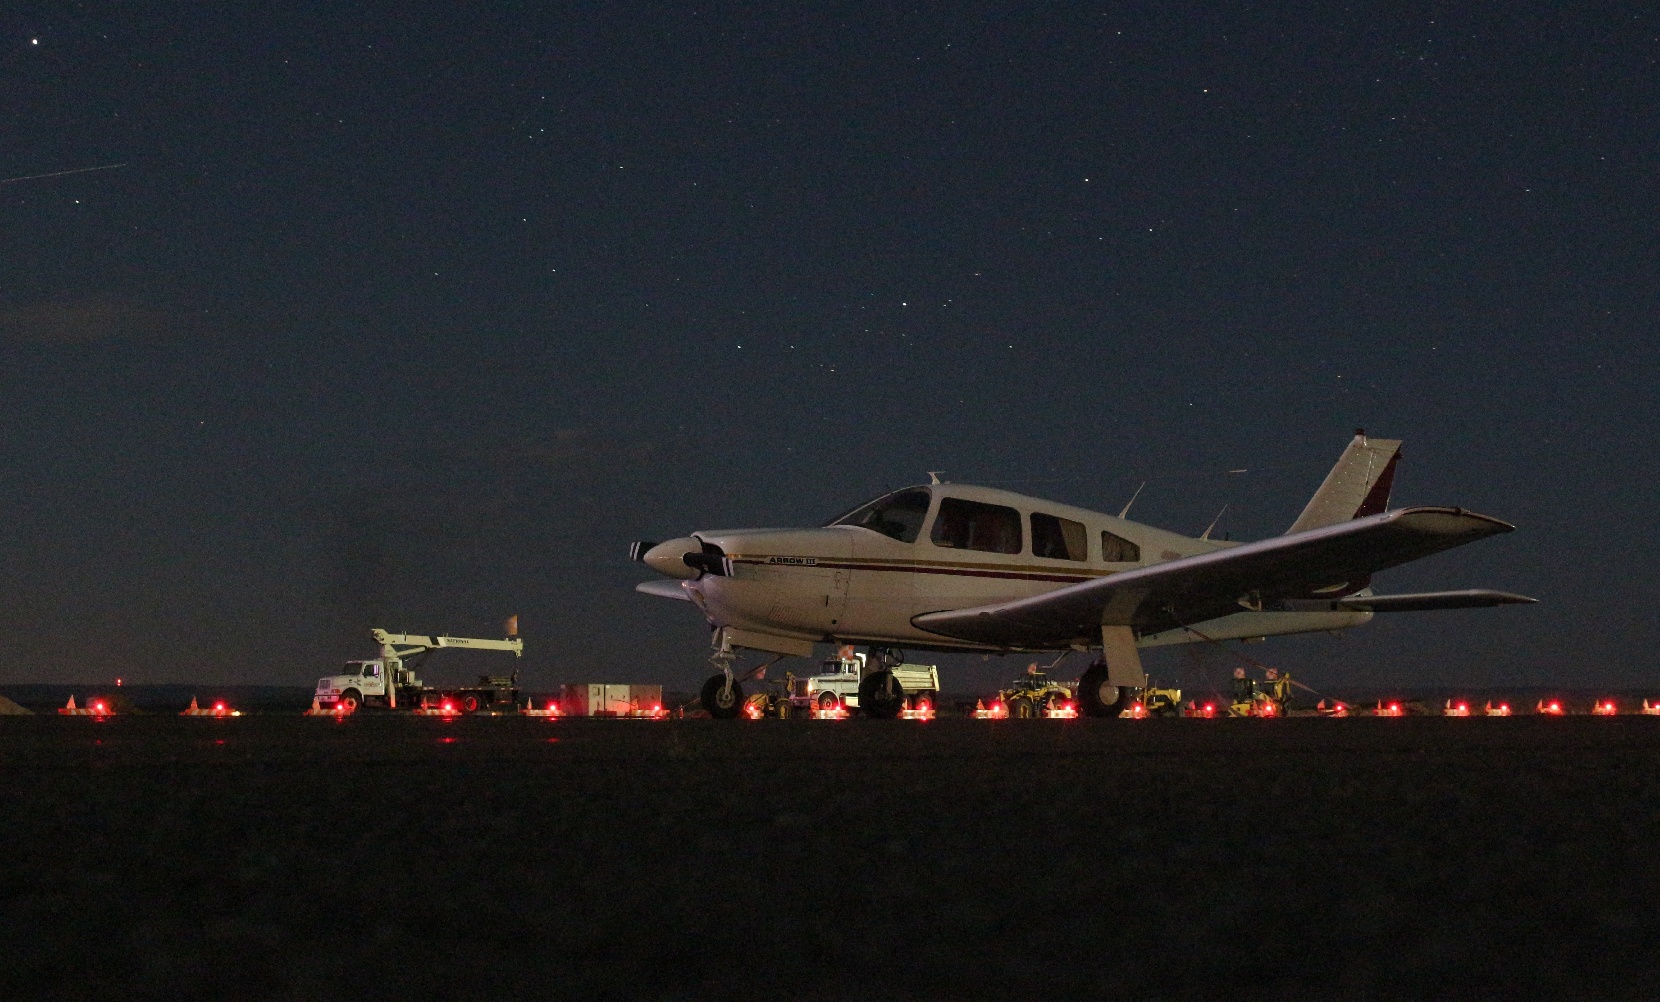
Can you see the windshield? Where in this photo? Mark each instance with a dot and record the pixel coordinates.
(898, 516)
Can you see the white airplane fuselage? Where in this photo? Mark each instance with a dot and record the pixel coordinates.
(848, 583)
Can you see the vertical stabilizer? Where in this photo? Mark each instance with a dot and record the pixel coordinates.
(1357, 486)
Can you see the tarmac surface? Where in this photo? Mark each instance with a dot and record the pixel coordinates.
(291, 857)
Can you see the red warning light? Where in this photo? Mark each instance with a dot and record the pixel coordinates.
(1605, 708)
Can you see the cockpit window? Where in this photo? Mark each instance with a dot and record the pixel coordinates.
(1058, 538)
(898, 516)
(971, 525)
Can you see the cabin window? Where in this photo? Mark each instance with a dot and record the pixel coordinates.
(898, 516)
(1058, 538)
(971, 525)
(1118, 550)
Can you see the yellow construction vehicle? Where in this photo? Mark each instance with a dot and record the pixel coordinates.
(1269, 697)
(1161, 702)
(1034, 695)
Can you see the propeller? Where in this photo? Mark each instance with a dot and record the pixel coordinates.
(684, 558)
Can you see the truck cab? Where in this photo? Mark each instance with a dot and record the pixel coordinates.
(357, 681)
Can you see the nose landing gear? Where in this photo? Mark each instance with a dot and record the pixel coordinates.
(723, 695)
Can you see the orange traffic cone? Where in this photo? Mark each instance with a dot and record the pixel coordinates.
(192, 708)
(71, 704)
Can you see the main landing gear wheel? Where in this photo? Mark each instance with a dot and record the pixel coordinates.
(881, 697)
(350, 700)
(723, 701)
(1099, 698)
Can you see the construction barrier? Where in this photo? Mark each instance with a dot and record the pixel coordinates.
(96, 708)
(218, 709)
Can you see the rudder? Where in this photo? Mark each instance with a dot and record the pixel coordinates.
(1356, 487)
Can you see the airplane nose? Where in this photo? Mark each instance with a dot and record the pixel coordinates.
(668, 558)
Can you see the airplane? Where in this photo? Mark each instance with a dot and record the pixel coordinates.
(962, 568)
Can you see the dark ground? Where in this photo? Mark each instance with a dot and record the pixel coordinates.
(310, 858)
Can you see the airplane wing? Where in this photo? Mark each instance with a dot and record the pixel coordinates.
(1192, 589)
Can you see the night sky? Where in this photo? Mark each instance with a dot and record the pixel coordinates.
(416, 316)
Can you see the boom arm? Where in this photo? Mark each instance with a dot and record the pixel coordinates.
(414, 643)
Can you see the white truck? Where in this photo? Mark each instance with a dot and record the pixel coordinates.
(388, 681)
(844, 677)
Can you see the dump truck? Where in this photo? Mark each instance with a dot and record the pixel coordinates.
(390, 680)
(845, 682)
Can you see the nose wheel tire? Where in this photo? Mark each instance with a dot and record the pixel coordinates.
(1099, 698)
(723, 702)
(881, 697)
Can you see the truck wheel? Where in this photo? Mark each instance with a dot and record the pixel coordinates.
(350, 700)
(828, 701)
(469, 702)
(1099, 698)
(881, 697)
(784, 709)
(1021, 708)
(721, 702)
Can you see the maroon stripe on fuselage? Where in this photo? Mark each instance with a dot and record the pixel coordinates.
(959, 572)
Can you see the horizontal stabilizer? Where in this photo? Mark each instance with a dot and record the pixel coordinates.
(663, 589)
(1470, 598)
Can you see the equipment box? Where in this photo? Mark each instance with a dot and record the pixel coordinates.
(596, 699)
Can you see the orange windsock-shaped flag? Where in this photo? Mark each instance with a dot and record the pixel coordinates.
(512, 625)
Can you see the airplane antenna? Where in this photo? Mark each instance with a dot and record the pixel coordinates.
(1212, 525)
(1137, 494)
(934, 476)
